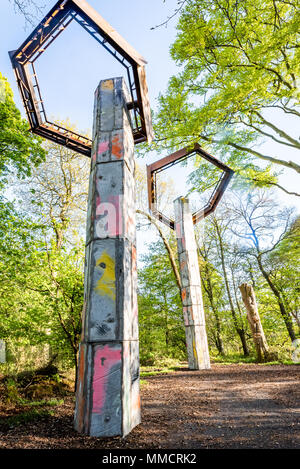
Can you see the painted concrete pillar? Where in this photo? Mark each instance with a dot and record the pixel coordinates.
(191, 294)
(108, 398)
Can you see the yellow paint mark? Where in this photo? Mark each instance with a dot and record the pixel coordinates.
(107, 85)
(106, 285)
(194, 350)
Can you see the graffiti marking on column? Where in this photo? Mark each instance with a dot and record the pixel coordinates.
(106, 285)
(103, 147)
(116, 147)
(105, 359)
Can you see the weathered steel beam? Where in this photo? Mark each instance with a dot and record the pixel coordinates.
(54, 23)
(175, 158)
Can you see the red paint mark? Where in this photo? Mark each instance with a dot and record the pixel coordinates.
(133, 254)
(134, 269)
(185, 316)
(183, 294)
(116, 147)
(191, 311)
(105, 358)
(129, 224)
(178, 230)
(103, 146)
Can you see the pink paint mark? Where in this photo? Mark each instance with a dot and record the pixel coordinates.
(103, 146)
(105, 358)
(185, 315)
(113, 222)
(94, 157)
(115, 200)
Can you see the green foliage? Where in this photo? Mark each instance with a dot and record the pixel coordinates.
(160, 309)
(239, 61)
(42, 296)
(22, 418)
(20, 150)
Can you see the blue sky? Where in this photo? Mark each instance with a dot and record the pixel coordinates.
(70, 70)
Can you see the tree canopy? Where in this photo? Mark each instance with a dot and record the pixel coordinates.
(20, 150)
(239, 62)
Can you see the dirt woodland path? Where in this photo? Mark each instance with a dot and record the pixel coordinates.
(229, 406)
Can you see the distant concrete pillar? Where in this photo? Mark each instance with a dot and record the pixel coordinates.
(191, 294)
(108, 398)
(2, 351)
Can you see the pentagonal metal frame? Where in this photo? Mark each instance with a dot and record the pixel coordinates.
(54, 23)
(174, 158)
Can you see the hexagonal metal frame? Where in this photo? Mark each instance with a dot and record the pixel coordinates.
(54, 23)
(174, 158)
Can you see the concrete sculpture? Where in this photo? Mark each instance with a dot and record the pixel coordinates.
(183, 224)
(108, 399)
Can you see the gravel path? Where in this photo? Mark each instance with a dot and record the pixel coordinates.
(229, 406)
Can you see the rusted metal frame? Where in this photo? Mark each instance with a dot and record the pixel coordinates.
(27, 97)
(56, 21)
(53, 37)
(106, 31)
(154, 168)
(31, 46)
(95, 33)
(32, 92)
(151, 176)
(133, 106)
(45, 129)
(58, 137)
(211, 159)
(168, 160)
(215, 197)
(37, 86)
(68, 132)
(136, 103)
(139, 127)
(178, 157)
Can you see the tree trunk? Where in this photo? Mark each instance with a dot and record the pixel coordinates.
(240, 331)
(167, 246)
(209, 290)
(261, 346)
(285, 314)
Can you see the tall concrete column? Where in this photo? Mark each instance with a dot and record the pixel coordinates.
(191, 294)
(108, 398)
